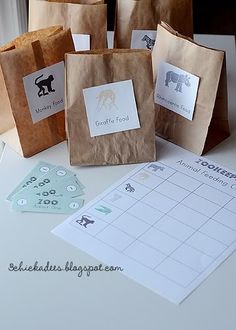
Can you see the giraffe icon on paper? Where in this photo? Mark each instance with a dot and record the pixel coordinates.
(143, 176)
(178, 79)
(106, 100)
(115, 198)
(84, 221)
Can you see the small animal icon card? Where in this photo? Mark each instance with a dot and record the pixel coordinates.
(143, 39)
(81, 41)
(44, 90)
(176, 90)
(56, 204)
(108, 111)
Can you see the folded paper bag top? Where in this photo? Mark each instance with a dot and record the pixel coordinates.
(32, 90)
(136, 20)
(81, 2)
(29, 37)
(109, 107)
(87, 20)
(76, 2)
(190, 91)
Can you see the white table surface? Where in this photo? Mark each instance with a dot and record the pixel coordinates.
(103, 301)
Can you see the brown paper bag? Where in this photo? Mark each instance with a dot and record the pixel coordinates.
(144, 15)
(23, 56)
(87, 17)
(210, 119)
(82, 2)
(103, 67)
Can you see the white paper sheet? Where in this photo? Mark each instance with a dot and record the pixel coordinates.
(168, 224)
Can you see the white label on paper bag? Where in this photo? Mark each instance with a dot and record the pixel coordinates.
(111, 108)
(176, 90)
(143, 39)
(44, 90)
(110, 39)
(81, 41)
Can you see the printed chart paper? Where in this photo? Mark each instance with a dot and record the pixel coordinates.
(168, 224)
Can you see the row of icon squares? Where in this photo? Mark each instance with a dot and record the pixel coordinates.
(124, 200)
(152, 175)
(179, 180)
(156, 175)
(167, 195)
(137, 222)
(179, 223)
(150, 209)
(155, 249)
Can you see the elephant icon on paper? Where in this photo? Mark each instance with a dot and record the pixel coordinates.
(178, 79)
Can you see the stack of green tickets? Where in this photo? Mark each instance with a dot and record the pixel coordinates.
(48, 189)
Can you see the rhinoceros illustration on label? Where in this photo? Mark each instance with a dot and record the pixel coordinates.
(178, 79)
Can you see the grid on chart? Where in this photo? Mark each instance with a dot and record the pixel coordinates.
(171, 223)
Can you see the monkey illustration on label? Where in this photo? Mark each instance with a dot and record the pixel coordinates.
(44, 85)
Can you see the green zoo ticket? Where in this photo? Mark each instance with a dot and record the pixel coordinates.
(51, 179)
(47, 204)
(37, 172)
(48, 188)
(67, 188)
